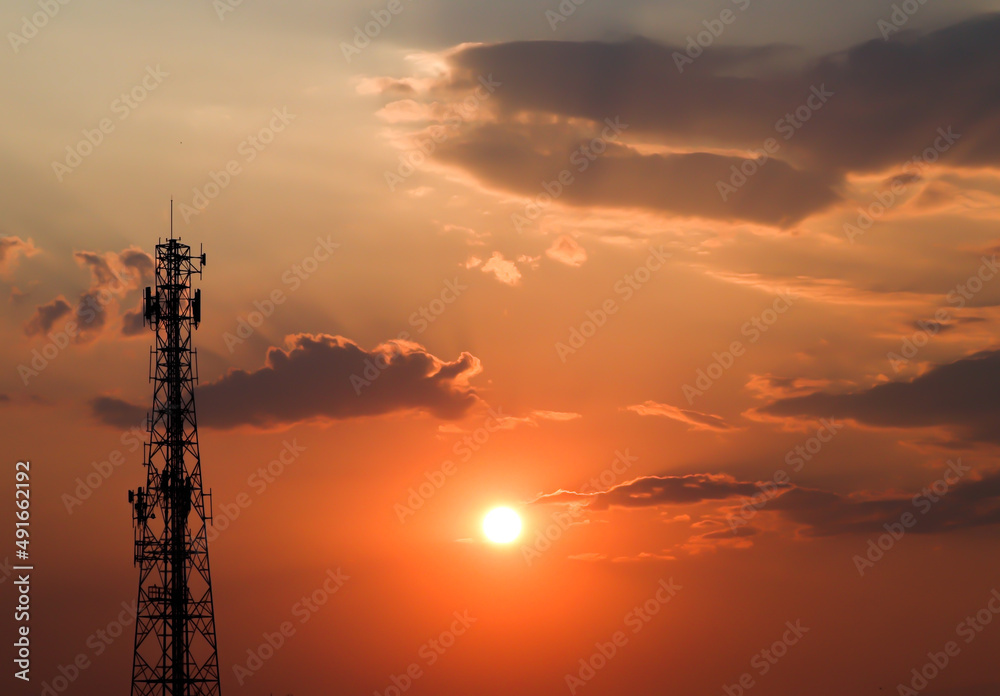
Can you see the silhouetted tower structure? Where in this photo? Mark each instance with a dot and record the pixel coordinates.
(175, 644)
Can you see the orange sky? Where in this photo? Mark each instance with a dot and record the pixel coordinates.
(707, 293)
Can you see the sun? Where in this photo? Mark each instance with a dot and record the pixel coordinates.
(501, 525)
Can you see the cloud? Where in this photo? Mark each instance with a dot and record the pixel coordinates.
(739, 538)
(731, 533)
(968, 503)
(961, 396)
(566, 250)
(503, 270)
(322, 377)
(92, 314)
(938, 327)
(556, 415)
(46, 316)
(533, 418)
(11, 248)
(387, 85)
(641, 557)
(772, 387)
(117, 412)
(517, 156)
(695, 419)
(590, 557)
(857, 111)
(879, 115)
(132, 322)
(141, 263)
(99, 265)
(960, 500)
(112, 275)
(652, 491)
(125, 270)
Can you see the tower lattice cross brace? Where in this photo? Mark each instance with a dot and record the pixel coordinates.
(175, 643)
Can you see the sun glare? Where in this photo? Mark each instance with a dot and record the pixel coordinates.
(501, 525)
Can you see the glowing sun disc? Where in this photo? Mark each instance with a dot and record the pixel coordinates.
(501, 525)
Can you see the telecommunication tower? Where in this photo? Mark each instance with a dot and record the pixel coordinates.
(175, 643)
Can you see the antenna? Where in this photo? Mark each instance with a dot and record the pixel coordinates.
(175, 642)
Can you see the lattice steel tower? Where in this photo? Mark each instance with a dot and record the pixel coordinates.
(175, 644)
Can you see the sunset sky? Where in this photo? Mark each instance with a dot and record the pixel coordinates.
(707, 293)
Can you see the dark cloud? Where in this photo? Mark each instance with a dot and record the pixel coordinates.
(131, 268)
(112, 276)
(935, 327)
(904, 179)
(141, 263)
(117, 412)
(731, 533)
(98, 264)
(132, 324)
(968, 503)
(46, 316)
(889, 99)
(963, 396)
(331, 377)
(521, 157)
(963, 503)
(651, 491)
(931, 326)
(92, 314)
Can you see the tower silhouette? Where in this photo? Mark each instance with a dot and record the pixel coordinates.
(175, 643)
